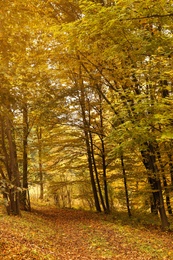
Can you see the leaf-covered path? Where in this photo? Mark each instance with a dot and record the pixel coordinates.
(49, 233)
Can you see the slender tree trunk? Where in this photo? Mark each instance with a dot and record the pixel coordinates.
(97, 175)
(93, 159)
(25, 199)
(125, 186)
(105, 178)
(94, 189)
(87, 140)
(39, 136)
(41, 175)
(103, 154)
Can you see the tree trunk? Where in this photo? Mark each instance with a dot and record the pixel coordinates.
(168, 203)
(171, 169)
(39, 136)
(125, 186)
(105, 177)
(149, 160)
(25, 199)
(86, 127)
(14, 199)
(94, 189)
(103, 156)
(97, 175)
(93, 159)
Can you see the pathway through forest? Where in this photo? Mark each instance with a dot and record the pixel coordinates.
(67, 234)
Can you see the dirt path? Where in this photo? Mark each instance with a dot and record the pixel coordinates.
(49, 233)
(82, 235)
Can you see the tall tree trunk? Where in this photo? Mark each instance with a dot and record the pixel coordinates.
(167, 194)
(87, 140)
(14, 199)
(5, 190)
(149, 160)
(94, 161)
(97, 175)
(125, 186)
(103, 155)
(105, 177)
(40, 162)
(171, 168)
(25, 199)
(94, 189)
(168, 202)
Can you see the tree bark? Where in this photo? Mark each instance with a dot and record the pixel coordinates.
(40, 162)
(97, 175)
(87, 140)
(168, 202)
(103, 156)
(14, 199)
(149, 160)
(25, 199)
(125, 186)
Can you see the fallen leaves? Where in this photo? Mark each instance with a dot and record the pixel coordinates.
(49, 233)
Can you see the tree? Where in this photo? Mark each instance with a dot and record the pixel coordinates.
(19, 43)
(25, 199)
(127, 53)
(102, 69)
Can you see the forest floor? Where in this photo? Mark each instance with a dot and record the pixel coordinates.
(68, 234)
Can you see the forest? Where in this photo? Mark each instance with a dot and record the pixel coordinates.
(86, 102)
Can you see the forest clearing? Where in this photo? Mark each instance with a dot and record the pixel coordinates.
(69, 234)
